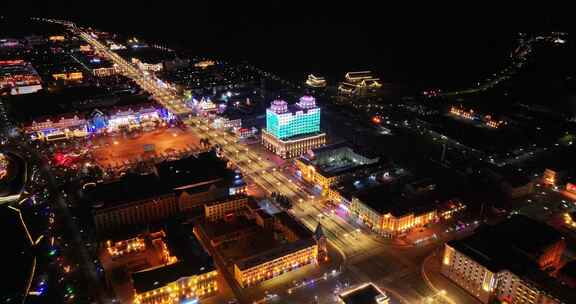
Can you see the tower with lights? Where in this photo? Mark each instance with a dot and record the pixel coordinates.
(291, 130)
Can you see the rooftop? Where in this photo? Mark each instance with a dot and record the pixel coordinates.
(402, 197)
(514, 245)
(366, 294)
(189, 174)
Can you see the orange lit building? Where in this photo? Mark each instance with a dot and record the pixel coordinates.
(328, 165)
(262, 254)
(68, 76)
(164, 268)
(217, 210)
(19, 77)
(177, 186)
(513, 261)
(359, 83)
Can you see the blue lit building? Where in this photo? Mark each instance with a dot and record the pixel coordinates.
(292, 130)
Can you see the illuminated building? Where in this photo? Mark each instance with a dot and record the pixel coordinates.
(394, 208)
(3, 166)
(227, 123)
(177, 186)
(70, 76)
(569, 220)
(512, 262)
(367, 293)
(291, 131)
(204, 64)
(315, 82)
(188, 277)
(487, 120)
(145, 66)
(57, 38)
(328, 165)
(259, 253)
(168, 268)
(60, 128)
(549, 177)
(98, 66)
(359, 83)
(19, 76)
(217, 210)
(571, 187)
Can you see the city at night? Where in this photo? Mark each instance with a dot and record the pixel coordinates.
(208, 159)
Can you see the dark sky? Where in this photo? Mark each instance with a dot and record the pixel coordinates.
(420, 47)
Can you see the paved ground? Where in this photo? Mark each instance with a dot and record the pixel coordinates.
(115, 150)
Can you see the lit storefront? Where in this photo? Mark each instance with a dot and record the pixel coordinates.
(19, 76)
(60, 128)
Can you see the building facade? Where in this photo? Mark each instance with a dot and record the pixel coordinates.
(291, 131)
(252, 271)
(217, 210)
(184, 290)
(136, 212)
(498, 264)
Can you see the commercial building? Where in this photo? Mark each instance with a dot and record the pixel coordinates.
(159, 267)
(359, 83)
(291, 131)
(328, 165)
(513, 262)
(175, 187)
(395, 208)
(486, 119)
(19, 77)
(271, 244)
(94, 64)
(62, 127)
(217, 210)
(188, 278)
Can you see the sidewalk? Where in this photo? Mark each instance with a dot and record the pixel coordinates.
(430, 272)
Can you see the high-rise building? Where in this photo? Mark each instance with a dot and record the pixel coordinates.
(292, 130)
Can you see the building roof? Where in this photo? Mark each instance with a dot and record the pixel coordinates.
(190, 174)
(192, 260)
(363, 295)
(295, 226)
(515, 245)
(398, 199)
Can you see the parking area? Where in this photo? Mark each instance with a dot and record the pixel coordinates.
(112, 151)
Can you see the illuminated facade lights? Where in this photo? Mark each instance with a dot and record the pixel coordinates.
(490, 266)
(315, 82)
(291, 131)
(283, 123)
(19, 76)
(3, 166)
(359, 83)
